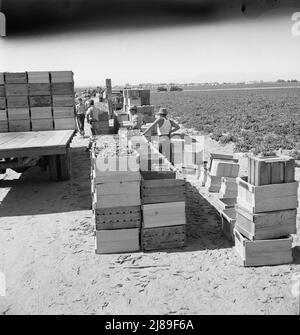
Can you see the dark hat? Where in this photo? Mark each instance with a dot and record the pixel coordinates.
(134, 108)
(162, 111)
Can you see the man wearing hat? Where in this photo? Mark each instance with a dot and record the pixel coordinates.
(165, 128)
(136, 118)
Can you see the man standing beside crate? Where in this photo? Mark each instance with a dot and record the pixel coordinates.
(80, 116)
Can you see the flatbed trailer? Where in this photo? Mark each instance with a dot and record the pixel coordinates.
(48, 149)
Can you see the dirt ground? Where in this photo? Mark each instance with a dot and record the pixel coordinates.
(47, 257)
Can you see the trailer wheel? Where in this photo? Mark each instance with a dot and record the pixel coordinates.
(64, 165)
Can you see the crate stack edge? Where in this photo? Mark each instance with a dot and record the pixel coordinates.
(116, 201)
(266, 212)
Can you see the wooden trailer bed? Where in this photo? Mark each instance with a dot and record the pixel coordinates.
(20, 150)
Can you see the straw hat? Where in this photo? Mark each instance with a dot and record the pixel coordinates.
(162, 111)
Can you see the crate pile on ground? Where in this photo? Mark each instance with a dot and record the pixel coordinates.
(36, 101)
(163, 199)
(266, 211)
(187, 155)
(141, 99)
(221, 166)
(116, 195)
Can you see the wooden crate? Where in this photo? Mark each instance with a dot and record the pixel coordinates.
(61, 76)
(3, 126)
(226, 203)
(40, 101)
(118, 218)
(62, 88)
(263, 252)
(17, 102)
(270, 170)
(38, 113)
(224, 168)
(228, 188)
(2, 103)
(19, 125)
(18, 114)
(42, 124)
(191, 172)
(16, 89)
(127, 166)
(117, 200)
(2, 91)
(163, 191)
(63, 100)
(223, 157)
(118, 188)
(164, 214)
(39, 89)
(3, 115)
(66, 123)
(15, 77)
(268, 225)
(63, 112)
(150, 175)
(163, 238)
(38, 77)
(1, 78)
(213, 183)
(228, 219)
(267, 198)
(117, 241)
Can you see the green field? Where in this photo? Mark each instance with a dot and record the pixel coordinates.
(261, 119)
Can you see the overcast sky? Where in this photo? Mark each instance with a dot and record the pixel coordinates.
(229, 50)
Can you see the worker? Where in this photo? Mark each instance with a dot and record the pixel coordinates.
(80, 116)
(136, 118)
(165, 128)
(92, 117)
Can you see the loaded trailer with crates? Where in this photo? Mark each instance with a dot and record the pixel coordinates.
(37, 121)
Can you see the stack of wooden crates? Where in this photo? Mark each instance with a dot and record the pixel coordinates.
(221, 166)
(36, 101)
(141, 99)
(163, 199)
(266, 211)
(116, 196)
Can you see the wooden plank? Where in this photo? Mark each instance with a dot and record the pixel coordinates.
(118, 188)
(163, 238)
(15, 77)
(61, 76)
(38, 113)
(118, 218)
(121, 200)
(166, 183)
(63, 100)
(19, 125)
(40, 101)
(64, 123)
(117, 247)
(39, 89)
(148, 175)
(63, 113)
(163, 198)
(16, 89)
(163, 214)
(2, 103)
(42, 124)
(3, 115)
(3, 126)
(289, 173)
(18, 114)
(62, 88)
(2, 91)
(228, 219)
(38, 77)
(17, 102)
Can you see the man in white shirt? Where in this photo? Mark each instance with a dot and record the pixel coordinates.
(80, 116)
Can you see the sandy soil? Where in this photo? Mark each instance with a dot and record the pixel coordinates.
(47, 256)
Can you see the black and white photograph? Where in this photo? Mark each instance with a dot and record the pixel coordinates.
(149, 160)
